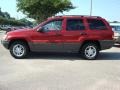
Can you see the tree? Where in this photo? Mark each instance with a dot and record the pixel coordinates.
(6, 15)
(4, 21)
(42, 9)
(26, 22)
(1, 13)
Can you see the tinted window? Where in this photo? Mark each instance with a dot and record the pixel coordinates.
(54, 25)
(75, 24)
(96, 24)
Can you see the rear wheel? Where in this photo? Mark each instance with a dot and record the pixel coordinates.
(19, 49)
(89, 51)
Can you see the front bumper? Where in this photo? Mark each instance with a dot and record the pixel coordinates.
(5, 43)
(117, 39)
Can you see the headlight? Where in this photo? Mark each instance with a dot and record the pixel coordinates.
(4, 37)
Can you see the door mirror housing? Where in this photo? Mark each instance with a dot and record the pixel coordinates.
(42, 29)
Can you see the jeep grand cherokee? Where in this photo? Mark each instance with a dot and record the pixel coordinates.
(86, 35)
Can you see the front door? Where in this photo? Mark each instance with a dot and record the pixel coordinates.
(50, 39)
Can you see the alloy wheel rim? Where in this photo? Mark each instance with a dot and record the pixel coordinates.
(90, 52)
(18, 50)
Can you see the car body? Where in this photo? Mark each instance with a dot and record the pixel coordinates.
(116, 30)
(84, 34)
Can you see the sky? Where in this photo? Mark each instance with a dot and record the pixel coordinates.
(108, 9)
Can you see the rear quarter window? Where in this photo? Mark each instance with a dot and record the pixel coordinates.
(95, 24)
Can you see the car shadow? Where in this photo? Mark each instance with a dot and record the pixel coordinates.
(72, 56)
(117, 45)
(109, 56)
(55, 56)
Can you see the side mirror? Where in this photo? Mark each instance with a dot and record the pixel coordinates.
(42, 29)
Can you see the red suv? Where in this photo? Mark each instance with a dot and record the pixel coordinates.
(84, 34)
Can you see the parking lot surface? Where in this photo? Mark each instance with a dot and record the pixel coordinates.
(53, 71)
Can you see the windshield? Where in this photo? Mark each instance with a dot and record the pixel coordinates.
(39, 25)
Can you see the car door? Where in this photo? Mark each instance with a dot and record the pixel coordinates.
(74, 34)
(49, 39)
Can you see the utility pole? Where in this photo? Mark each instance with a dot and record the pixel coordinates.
(91, 7)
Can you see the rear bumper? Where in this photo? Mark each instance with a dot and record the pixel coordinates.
(5, 43)
(106, 44)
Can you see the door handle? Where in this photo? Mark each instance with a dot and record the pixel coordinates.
(83, 33)
(58, 34)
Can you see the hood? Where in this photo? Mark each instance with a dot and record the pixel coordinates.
(20, 31)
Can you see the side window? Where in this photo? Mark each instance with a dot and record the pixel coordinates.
(95, 24)
(75, 24)
(53, 25)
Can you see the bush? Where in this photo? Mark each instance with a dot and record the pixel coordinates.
(4, 21)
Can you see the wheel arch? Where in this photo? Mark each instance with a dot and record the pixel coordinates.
(96, 42)
(20, 40)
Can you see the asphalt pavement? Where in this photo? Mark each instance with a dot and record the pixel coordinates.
(55, 71)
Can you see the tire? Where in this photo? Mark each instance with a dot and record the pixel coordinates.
(19, 49)
(89, 54)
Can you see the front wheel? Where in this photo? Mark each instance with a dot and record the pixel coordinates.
(19, 49)
(89, 51)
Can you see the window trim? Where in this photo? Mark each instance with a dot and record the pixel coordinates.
(96, 29)
(84, 23)
(52, 21)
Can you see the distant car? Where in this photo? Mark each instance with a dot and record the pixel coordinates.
(6, 28)
(116, 30)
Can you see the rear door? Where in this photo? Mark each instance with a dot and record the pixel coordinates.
(75, 32)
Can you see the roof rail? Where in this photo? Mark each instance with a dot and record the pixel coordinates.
(75, 16)
(78, 16)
